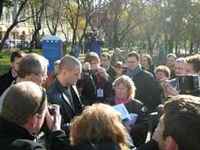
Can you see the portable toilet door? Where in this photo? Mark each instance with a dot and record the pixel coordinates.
(52, 49)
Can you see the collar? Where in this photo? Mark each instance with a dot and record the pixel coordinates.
(59, 85)
(10, 74)
(63, 89)
(133, 72)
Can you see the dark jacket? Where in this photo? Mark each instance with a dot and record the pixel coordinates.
(151, 145)
(148, 90)
(5, 81)
(104, 90)
(14, 137)
(87, 88)
(94, 89)
(151, 69)
(112, 73)
(56, 95)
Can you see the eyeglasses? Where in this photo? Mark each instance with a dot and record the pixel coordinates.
(44, 97)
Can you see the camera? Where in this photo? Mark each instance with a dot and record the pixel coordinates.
(189, 84)
(51, 110)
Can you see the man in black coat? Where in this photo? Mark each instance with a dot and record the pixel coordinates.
(86, 85)
(21, 119)
(7, 78)
(148, 90)
(63, 90)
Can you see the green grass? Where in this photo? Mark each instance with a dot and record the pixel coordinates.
(4, 62)
(5, 59)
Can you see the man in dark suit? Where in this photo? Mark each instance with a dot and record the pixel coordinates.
(63, 90)
(148, 90)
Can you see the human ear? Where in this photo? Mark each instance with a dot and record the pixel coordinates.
(31, 124)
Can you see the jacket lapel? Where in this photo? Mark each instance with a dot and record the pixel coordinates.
(64, 96)
(73, 88)
(66, 99)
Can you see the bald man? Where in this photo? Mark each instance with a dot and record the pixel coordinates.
(63, 90)
(23, 113)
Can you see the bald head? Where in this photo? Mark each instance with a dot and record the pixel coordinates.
(69, 62)
(22, 101)
(69, 71)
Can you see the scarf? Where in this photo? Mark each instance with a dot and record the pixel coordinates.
(132, 72)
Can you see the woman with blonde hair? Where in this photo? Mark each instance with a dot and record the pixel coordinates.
(98, 128)
(124, 90)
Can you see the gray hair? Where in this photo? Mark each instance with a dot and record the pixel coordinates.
(69, 62)
(32, 63)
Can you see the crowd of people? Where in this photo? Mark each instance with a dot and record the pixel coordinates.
(77, 109)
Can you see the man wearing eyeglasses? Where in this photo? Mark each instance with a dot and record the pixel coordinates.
(33, 67)
(23, 113)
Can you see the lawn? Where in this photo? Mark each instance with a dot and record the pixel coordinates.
(4, 62)
(5, 59)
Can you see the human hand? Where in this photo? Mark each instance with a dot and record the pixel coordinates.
(53, 117)
(158, 133)
(169, 90)
(102, 72)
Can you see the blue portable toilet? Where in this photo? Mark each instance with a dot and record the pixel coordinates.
(52, 49)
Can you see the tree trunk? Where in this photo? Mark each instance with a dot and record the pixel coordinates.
(115, 32)
(75, 27)
(150, 49)
(198, 46)
(166, 43)
(63, 31)
(176, 48)
(84, 32)
(35, 38)
(171, 45)
(191, 47)
(6, 35)
(73, 39)
(1, 8)
(185, 47)
(15, 22)
(37, 19)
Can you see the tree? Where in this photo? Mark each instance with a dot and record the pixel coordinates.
(78, 14)
(37, 9)
(17, 19)
(53, 13)
(1, 7)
